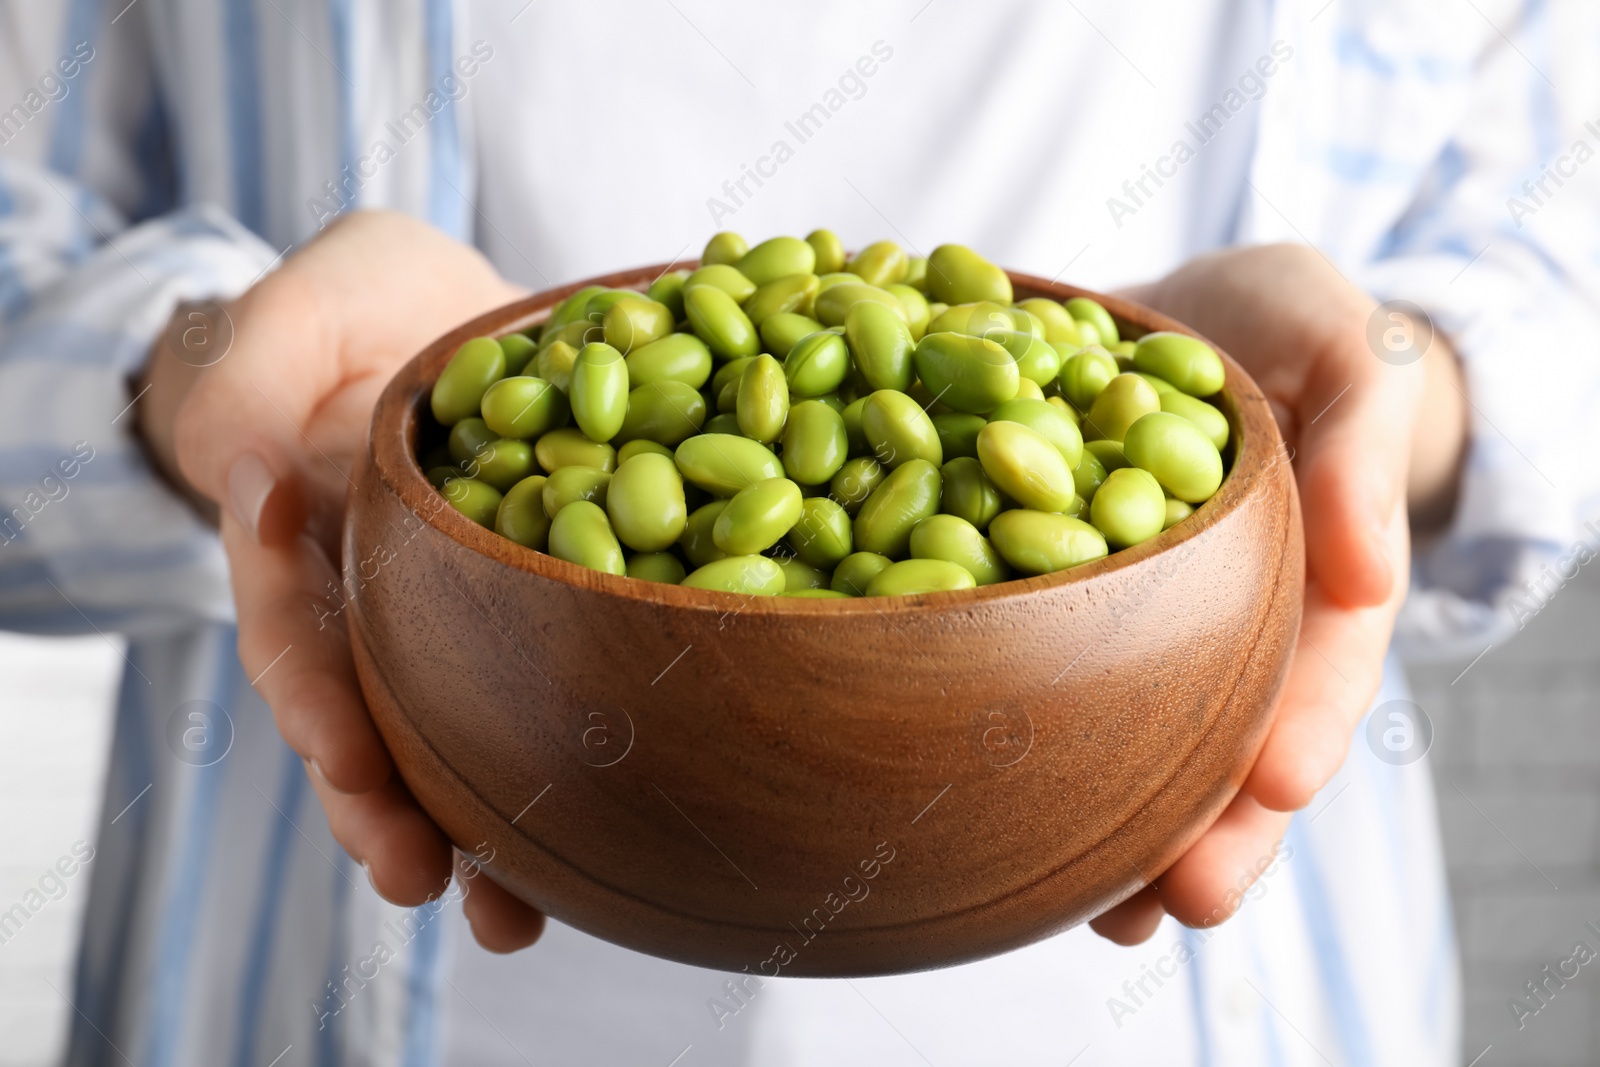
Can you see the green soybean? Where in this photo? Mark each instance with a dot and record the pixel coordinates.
(958, 432)
(968, 493)
(458, 391)
(955, 540)
(880, 342)
(1187, 362)
(503, 463)
(855, 572)
(581, 534)
(881, 263)
(554, 364)
(519, 349)
(783, 331)
(1109, 453)
(668, 290)
(523, 407)
(1129, 507)
(855, 482)
(696, 539)
(724, 247)
(968, 373)
(750, 575)
(762, 402)
(599, 392)
(958, 275)
(800, 576)
(910, 577)
(1181, 457)
(821, 536)
(468, 438)
(1212, 422)
(1026, 466)
(724, 276)
(635, 322)
(915, 306)
(476, 500)
(639, 446)
(569, 484)
(569, 310)
(815, 444)
(521, 516)
(1085, 374)
(834, 302)
(1177, 511)
(645, 503)
(1088, 474)
(1085, 310)
(782, 296)
(677, 357)
(817, 364)
(815, 594)
(729, 372)
(828, 249)
(907, 496)
(898, 430)
(1125, 399)
(1051, 422)
(718, 321)
(757, 517)
(777, 257)
(666, 412)
(656, 567)
(722, 464)
(1060, 328)
(1036, 542)
(726, 422)
(572, 448)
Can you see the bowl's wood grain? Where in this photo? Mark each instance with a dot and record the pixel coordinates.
(713, 778)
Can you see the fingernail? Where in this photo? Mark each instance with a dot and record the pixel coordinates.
(318, 768)
(250, 483)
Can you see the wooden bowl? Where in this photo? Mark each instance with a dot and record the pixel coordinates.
(820, 787)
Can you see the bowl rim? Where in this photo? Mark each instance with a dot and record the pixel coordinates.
(395, 426)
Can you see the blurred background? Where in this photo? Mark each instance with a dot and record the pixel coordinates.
(1515, 756)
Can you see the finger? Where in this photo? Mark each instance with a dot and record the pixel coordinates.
(1338, 667)
(1208, 882)
(295, 650)
(406, 856)
(500, 922)
(1134, 920)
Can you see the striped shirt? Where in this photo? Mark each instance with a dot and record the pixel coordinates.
(168, 149)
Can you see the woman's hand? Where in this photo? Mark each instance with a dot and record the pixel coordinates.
(269, 434)
(1367, 438)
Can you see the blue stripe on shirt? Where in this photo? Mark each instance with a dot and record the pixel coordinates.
(242, 75)
(422, 1001)
(71, 124)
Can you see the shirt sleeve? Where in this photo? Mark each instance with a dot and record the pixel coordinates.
(91, 539)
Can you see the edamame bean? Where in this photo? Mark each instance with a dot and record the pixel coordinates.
(656, 567)
(799, 576)
(1085, 310)
(645, 503)
(777, 257)
(910, 577)
(1160, 385)
(1028, 389)
(677, 357)
(915, 306)
(468, 438)
(458, 391)
(907, 496)
(1026, 466)
(787, 295)
(1056, 427)
(1129, 507)
(724, 247)
(783, 331)
(519, 348)
(1187, 362)
(968, 373)
(817, 364)
(726, 422)
(973, 320)
(640, 446)
(1125, 399)
(437, 475)
(724, 276)
(968, 493)
(855, 573)
(635, 322)
(855, 482)
(880, 342)
(1212, 422)
(476, 500)
(958, 275)
(1088, 474)
(723, 464)
(503, 463)
(571, 448)
(1060, 328)
(762, 401)
(816, 594)
(564, 486)
(1180, 456)
(1177, 511)
(696, 539)
(599, 394)
(521, 517)
(834, 302)
(667, 412)
(898, 430)
(958, 432)
(821, 536)
(757, 517)
(718, 321)
(750, 575)
(852, 427)
(955, 540)
(1085, 374)
(880, 263)
(1036, 542)
(580, 534)
(668, 290)
(569, 310)
(554, 364)
(815, 445)
(1109, 453)
(828, 249)
(523, 407)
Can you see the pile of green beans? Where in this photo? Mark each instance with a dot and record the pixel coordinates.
(785, 420)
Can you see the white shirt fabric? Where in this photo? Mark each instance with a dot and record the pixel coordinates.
(566, 140)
